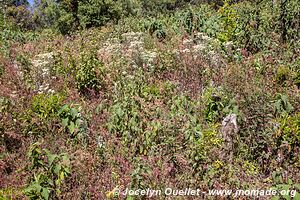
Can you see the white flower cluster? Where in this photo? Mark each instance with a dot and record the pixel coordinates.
(188, 42)
(203, 47)
(111, 46)
(133, 36)
(133, 44)
(45, 89)
(41, 72)
(130, 47)
(18, 69)
(148, 58)
(110, 50)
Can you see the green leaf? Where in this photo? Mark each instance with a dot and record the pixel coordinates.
(297, 196)
(78, 122)
(65, 122)
(62, 176)
(45, 193)
(297, 186)
(57, 169)
(73, 112)
(71, 127)
(51, 157)
(63, 109)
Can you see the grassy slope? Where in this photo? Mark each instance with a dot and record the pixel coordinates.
(167, 161)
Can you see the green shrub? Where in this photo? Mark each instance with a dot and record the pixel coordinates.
(46, 15)
(49, 172)
(207, 21)
(39, 118)
(201, 146)
(138, 174)
(5, 109)
(228, 22)
(125, 120)
(254, 28)
(19, 16)
(282, 74)
(46, 106)
(73, 122)
(154, 7)
(289, 131)
(188, 21)
(155, 28)
(89, 74)
(282, 105)
(93, 13)
(66, 23)
(297, 79)
(26, 67)
(295, 67)
(129, 116)
(218, 104)
(5, 104)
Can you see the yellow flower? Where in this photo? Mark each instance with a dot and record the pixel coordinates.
(114, 193)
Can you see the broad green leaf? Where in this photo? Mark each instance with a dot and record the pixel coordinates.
(71, 127)
(78, 122)
(62, 176)
(73, 112)
(63, 109)
(65, 122)
(51, 157)
(45, 193)
(57, 169)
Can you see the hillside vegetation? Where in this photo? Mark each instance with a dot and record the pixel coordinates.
(100, 96)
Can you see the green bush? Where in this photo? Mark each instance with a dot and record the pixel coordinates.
(49, 173)
(201, 147)
(228, 18)
(89, 74)
(289, 131)
(129, 115)
(254, 30)
(73, 122)
(297, 79)
(94, 13)
(218, 105)
(66, 23)
(19, 16)
(26, 67)
(5, 104)
(46, 106)
(39, 118)
(282, 74)
(155, 28)
(282, 105)
(46, 15)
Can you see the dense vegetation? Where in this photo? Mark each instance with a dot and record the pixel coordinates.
(98, 96)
